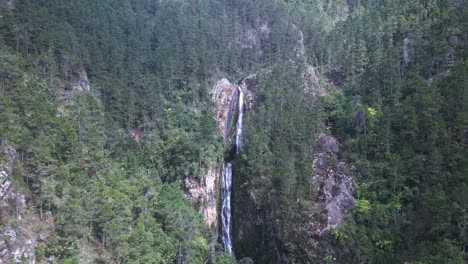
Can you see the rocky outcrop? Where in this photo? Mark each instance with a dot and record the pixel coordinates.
(299, 48)
(10, 4)
(406, 51)
(203, 193)
(223, 96)
(311, 238)
(68, 91)
(135, 133)
(311, 82)
(80, 82)
(19, 232)
(335, 187)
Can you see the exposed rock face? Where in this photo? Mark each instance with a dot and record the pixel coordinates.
(334, 186)
(6, 168)
(299, 49)
(309, 240)
(10, 4)
(19, 233)
(406, 51)
(81, 82)
(135, 133)
(202, 192)
(264, 30)
(310, 77)
(311, 82)
(223, 95)
(67, 91)
(248, 85)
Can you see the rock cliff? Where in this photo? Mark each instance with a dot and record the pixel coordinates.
(202, 192)
(22, 228)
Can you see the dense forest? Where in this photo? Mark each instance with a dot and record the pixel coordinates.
(106, 111)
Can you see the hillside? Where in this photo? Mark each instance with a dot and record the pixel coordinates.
(241, 131)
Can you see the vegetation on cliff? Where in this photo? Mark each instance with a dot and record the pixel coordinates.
(108, 163)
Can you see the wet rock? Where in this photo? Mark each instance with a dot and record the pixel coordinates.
(223, 96)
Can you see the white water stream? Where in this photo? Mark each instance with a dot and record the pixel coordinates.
(226, 216)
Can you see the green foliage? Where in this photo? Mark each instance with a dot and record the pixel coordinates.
(274, 161)
(396, 119)
(225, 259)
(63, 248)
(151, 63)
(363, 206)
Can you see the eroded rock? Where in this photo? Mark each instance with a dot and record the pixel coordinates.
(223, 96)
(19, 235)
(202, 193)
(335, 187)
(81, 82)
(311, 82)
(406, 51)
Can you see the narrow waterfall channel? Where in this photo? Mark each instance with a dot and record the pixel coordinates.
(239, 121)
(226, 208)
(226, 216)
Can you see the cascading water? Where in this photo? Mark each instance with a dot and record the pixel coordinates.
(226, 208)
(239, 120)
(227, 180)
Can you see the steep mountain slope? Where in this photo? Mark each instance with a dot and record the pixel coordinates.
(116, 118)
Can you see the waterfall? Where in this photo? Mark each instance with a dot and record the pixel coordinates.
(226, 217)
(239, 120)
(226, 208)
(406, 53)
